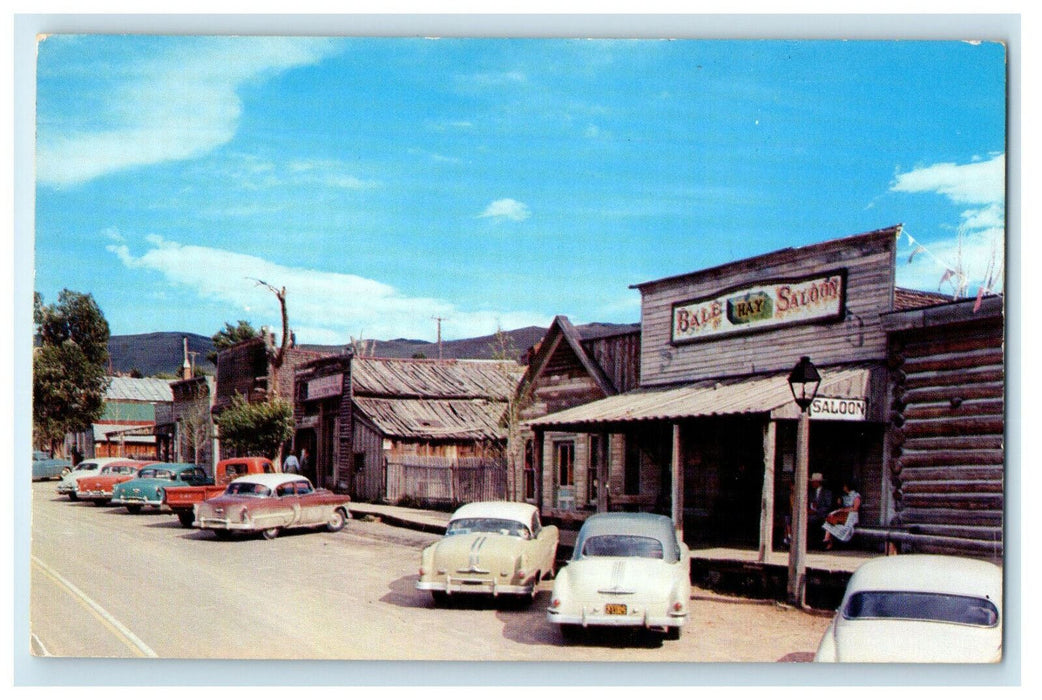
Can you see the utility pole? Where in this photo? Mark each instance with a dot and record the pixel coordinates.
(439, 319)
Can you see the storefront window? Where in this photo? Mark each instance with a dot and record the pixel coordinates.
(529, 471)
(591, 469)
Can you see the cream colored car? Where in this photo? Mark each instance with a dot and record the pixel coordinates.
(918, 608)
(493, 548)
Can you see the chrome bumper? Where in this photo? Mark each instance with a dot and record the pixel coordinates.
(464, 585)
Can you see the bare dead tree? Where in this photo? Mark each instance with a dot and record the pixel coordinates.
(276, 357)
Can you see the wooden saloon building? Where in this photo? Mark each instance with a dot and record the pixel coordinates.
(709, 429)
(387, 429)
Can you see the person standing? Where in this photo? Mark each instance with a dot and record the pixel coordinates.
(291, 465)
(819, 502)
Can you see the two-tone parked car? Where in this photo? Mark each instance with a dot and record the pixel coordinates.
(47, 467)
(918, 608)
(88, 467)
(181, 499)
(627, 570)
(97, 488)
(150, 484)
(492, 548)
(270, 503)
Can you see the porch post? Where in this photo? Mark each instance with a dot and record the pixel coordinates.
(677, 484)
(767, 499)
(537, 462)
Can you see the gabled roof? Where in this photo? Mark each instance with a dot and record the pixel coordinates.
(562, 332)
(135, 389)
(434, 419)
(434, 379)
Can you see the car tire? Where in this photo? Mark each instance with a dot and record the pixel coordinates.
(99, 504)
(270, 533)
(186, 519)
(336, 521)
(673, 633)
(73, 496)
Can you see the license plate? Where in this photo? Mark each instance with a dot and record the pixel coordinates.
(614, 609)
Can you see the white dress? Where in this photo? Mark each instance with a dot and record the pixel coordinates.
(845, 531)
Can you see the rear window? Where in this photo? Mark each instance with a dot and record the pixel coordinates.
(247, 488)
(622, 546)
(911, 605)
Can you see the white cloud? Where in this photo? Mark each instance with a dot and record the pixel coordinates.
(324, 307)
(982, 182)
(179, 105)
(978, 247)
(506, 209)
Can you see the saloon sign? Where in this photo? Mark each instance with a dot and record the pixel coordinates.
(760, 307)
(827, 408)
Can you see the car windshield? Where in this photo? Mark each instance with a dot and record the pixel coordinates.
(622, 546)
(248, 488)
(84, 466)
(155, 474)
(501, 525)
(911, 605)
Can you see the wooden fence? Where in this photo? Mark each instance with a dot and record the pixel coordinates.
(446, 480)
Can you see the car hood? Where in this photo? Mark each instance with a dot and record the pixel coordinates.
(594, 578)
(914, 641)
(477, 550)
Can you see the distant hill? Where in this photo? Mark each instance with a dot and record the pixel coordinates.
(158, 353)
(162, 353)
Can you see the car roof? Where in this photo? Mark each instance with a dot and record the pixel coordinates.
(176, 467)
(508, 510)
(936, 573)
(101, 461)
(270, 480)
(650, 524)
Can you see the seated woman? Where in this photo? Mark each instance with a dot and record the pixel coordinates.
(840, 522)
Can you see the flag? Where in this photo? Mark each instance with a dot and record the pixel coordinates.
(918, 249)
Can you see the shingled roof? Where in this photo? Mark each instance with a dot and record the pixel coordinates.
(434, 379)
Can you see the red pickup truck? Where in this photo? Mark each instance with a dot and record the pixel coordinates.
(182, 499)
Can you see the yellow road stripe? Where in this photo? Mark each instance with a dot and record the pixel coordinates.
(122, 633)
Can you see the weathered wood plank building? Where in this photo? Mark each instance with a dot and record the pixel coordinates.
(392, 428)
(708, 433)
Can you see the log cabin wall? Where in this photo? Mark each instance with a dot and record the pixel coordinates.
(869, 261)
(369, 466)
(947, 426)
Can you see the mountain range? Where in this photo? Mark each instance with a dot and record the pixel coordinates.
(162, 353)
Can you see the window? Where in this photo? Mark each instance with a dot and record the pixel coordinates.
(564, 463)
(591, 469)
(529, 471)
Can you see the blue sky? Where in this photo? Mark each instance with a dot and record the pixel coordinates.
(493, 182)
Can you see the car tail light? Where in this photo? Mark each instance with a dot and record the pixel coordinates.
(555, 603)
(678, 606)
(422, 571)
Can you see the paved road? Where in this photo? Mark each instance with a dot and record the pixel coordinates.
(109, 584)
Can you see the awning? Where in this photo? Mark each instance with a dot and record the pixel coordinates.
(768, 394)
(111, 432)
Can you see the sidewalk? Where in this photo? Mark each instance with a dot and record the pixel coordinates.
(433, 521)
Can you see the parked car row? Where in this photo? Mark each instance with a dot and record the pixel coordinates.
(248, 496)
(626, 570)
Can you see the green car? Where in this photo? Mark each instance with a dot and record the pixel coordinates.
(148, 487)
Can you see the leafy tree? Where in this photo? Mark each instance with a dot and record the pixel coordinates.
(257, 428)
(69, 379)
(231, 335)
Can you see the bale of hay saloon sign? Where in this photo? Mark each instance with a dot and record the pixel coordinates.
(762, 306)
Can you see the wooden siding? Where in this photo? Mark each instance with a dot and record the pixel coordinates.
(619, 357)
(869, 262)
(947, 449)
(369, 485)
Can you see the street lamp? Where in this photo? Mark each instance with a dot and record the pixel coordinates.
(804, 381)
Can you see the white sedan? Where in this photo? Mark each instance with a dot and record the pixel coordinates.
(88, 467)
(918, 608)
(627, 570)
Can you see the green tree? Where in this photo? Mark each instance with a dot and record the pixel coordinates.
(229, 336)
(257, 428)
(69, 379)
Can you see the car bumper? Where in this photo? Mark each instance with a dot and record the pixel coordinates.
(462, 585)
(94, 495)
(66, 488)
(645, 619)
(226, 524)
(134, 501)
